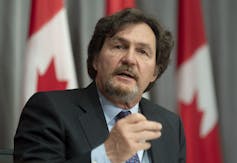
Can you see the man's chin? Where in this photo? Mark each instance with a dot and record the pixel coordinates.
(121, 89)
(124, 84)
(125, 88)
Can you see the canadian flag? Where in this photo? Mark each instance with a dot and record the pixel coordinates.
(196, 95)
(49, 61)
(113, 6)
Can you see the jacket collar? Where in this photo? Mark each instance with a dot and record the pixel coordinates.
(93, 120)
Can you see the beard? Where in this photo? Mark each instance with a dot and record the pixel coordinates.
(123, 94)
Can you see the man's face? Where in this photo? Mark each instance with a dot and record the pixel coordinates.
(127, 64)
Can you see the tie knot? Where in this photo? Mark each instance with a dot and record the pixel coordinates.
(122, 114)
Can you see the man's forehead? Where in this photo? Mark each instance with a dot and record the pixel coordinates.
(118, 38)
(122, 39)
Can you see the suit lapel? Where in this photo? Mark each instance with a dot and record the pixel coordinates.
(156, 151)
(93, 121)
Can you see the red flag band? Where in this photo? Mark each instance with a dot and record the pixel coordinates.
(113, 6)
(196, 95)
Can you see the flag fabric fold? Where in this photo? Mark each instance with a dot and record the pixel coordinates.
(196, 95)
(49, 61)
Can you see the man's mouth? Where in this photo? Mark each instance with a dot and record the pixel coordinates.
(127, 74)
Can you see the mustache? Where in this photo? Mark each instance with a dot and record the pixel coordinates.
(126, 69)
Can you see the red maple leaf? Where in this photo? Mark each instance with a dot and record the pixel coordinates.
(48, 80)
(199, 149)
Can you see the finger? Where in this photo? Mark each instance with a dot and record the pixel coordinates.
(146, 136)
(146, 125)
(143, 146)
(134, 118)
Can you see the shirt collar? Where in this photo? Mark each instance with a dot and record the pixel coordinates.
(110, 110)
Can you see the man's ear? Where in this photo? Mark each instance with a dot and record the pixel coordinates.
(156, 72)
(94, 64)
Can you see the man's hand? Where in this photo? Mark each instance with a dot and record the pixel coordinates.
(130, 135)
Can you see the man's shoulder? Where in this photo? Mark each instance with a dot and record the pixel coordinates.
(63, 99)
(59, 95)
(68, 93)
(55, 96)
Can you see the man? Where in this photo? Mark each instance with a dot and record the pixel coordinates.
(126, 54)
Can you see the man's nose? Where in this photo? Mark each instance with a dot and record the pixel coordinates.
(129, 57)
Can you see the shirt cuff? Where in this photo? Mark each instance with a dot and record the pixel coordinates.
(99, 155)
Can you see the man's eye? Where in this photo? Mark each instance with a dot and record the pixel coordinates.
(142, 51)
(119, 47)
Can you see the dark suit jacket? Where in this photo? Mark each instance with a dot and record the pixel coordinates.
(64, 126)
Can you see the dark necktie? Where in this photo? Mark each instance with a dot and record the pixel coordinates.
(134, 158)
